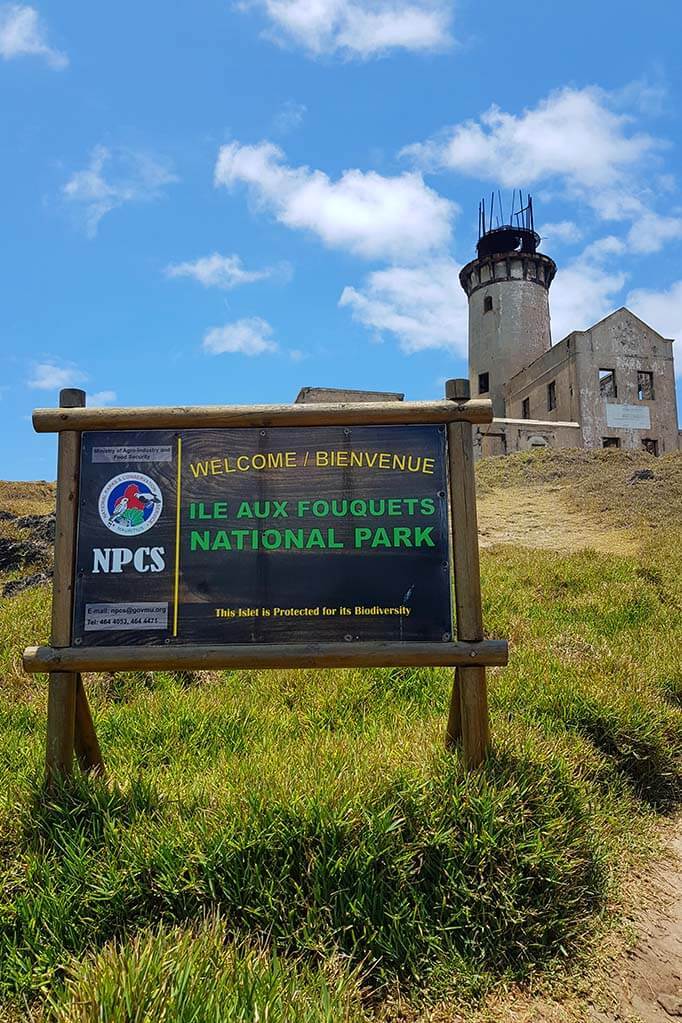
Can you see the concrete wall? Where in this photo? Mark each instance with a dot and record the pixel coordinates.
(516, 330)
(504, 436)
(324, 395)
(624, 343)
(556, 365)
(620, 342)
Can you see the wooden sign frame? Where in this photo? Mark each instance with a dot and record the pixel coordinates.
(69, 722)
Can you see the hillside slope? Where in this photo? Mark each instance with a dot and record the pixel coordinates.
(577, 500)
(298, 846)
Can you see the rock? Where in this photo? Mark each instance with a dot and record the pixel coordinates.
(42, 526)
(26, 583)
(671, 1003)
(642, 474)
(17, 553)
(6, 516)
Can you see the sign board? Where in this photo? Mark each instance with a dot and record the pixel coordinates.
(628, 417)
(247, 535)
(264, 536)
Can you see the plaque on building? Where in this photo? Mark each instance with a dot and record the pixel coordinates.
(628, 417)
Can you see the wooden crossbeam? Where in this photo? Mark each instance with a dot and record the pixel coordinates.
(274, 655)
(386, 413)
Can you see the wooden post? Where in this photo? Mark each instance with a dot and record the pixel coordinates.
(468, 717)
(66, 701)
(85, 738)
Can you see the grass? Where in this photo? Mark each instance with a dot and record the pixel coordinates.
(182, 975)
(296, 845)
(600, 481)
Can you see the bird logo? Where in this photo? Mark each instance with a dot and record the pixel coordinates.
(130, 504)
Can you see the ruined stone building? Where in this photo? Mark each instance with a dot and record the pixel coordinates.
(612, 385)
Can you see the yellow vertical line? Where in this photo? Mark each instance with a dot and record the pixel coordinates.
(177, 539)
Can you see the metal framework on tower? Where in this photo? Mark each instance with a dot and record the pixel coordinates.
(516, 234)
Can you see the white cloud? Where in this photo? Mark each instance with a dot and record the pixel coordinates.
(375, 217)
(102, 398)
(359, 28)
(49, 376)
(582, 293)
(572, 135)
(651, 231)
(647, 97)
(53, 376)
(251, 336)
(132, 177)
(662, 310)
(561, 231)
(648, 231)
(577, 143)
(289, 117)
(216, 271)
(22, 34)
(423, 307)
(603, 248)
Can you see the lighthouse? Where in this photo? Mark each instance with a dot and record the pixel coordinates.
(507, 286)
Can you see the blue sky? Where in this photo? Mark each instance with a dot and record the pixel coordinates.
(225, 202)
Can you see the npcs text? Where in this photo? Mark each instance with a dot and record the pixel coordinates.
(115, 560)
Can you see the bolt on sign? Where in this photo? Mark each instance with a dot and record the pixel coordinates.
(263, 536)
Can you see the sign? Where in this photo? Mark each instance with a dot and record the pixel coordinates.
(264, 536)
(278, 535)
(628, 417)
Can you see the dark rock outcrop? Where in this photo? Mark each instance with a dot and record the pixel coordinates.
(27, 582)
(41, 526)
(16, 554)
(642, 474)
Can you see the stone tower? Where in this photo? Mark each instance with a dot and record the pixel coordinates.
(508, 290)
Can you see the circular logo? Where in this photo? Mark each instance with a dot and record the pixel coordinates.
(130, 504)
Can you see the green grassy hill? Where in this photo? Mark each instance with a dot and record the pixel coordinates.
(297, 846)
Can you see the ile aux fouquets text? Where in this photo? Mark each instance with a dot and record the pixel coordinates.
(307, 524)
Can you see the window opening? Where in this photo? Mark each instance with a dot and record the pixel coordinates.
(551, 395)
(607, 383)
(488, 304)
(650, 445)
(525, 408)
(610, 442)
(483, 383)
(645, 385)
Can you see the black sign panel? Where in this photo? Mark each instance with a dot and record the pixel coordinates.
(319, 534)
